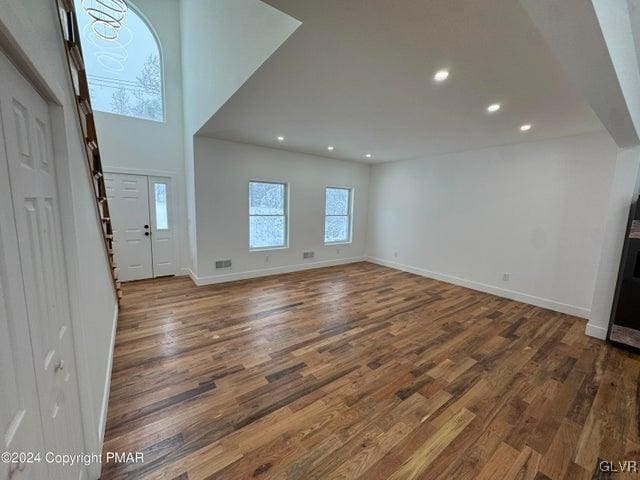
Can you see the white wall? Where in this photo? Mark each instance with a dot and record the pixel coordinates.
(223, 43)
(223, 172)
(135, 145)
(29, 33)
(533, 210)
(624, 189)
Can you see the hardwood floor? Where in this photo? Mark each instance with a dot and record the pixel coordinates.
(364, 372)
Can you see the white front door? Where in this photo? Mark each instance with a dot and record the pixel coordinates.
(34, 277)
(128, 197)
(142, 225)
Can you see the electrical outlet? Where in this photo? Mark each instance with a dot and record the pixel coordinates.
(506, 277)
(338, 251)
(266, 259)
(395, 254)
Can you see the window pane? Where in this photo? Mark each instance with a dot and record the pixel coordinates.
(266, 232)
(336, 229)
(122, 59)
(337, 201)
(162, 216)
(266, 198)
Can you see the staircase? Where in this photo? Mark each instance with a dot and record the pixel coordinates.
(73, 49)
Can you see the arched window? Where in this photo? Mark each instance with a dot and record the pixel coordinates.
(122, 59)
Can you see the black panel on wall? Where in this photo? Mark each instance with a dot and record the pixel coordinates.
(624, 327)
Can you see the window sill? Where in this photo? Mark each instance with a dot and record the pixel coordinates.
(331, 244)
(267, 249)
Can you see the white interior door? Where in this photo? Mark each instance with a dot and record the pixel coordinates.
(162, 246)
(41, 278)
(128, 197)
(20, 425)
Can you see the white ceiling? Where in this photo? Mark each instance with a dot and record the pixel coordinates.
(358, 75)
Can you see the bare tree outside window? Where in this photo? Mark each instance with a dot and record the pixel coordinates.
(145, 100)
(120, 102)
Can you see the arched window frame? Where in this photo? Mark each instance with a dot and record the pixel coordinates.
(158, 44)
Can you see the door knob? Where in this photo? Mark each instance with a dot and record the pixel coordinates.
(146, 226)
(59, 366)
(15, 468)
(146, 234)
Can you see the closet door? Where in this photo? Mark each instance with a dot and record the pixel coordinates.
(29, 154)
(20, 426)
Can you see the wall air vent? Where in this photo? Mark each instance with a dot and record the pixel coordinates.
(223, 264)
(307, 255)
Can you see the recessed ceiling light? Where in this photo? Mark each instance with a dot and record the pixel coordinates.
(441, 75)
(494, 107)
(525, 128)
(330, 148)
(281, 139)
(368, 155)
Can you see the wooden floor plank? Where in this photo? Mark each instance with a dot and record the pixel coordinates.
(361, 371)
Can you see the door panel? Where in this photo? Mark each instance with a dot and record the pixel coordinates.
(20, 425)
(162, 221)
(29, 147)
(128, 198)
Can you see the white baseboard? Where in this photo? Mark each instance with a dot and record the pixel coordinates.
(232, 277)
(482, 287)
(596, 331)
(193, 276)
(102, 423)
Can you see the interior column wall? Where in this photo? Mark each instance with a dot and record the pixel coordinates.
(624, 189)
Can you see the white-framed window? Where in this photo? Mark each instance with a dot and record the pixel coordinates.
(268, 215)
(338, 215)
(122, 58)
